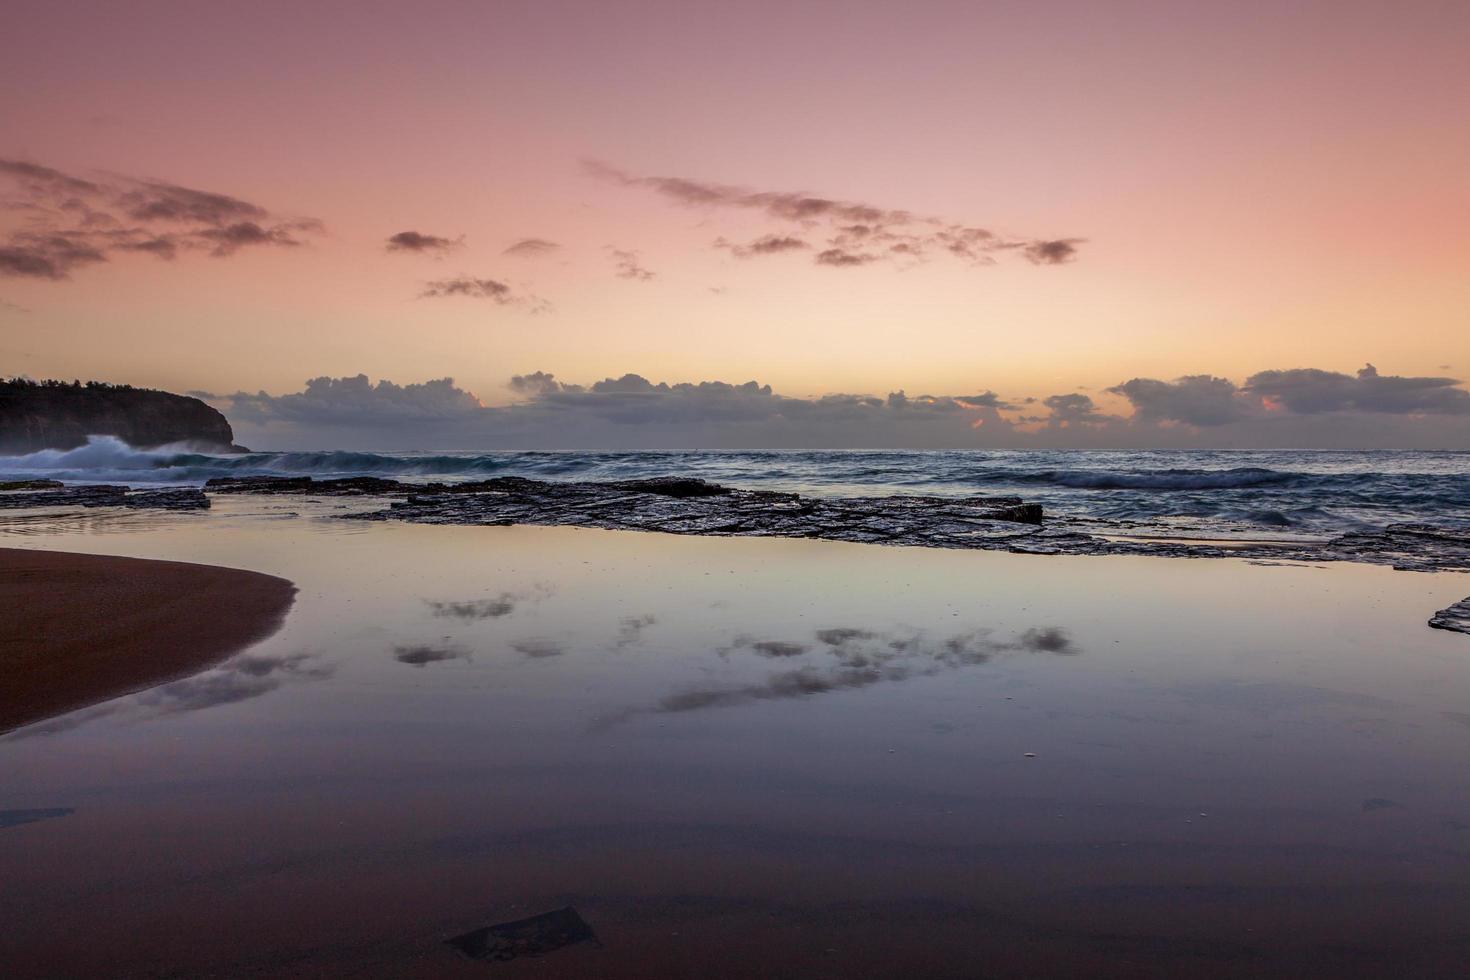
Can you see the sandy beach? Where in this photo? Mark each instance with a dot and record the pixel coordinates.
(76, 629)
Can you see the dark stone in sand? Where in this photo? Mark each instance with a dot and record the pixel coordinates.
(544, 933)
(1456, 617)
(106, 495)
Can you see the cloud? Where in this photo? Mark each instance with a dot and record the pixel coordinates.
(492, 289)
(838, 258)
(532, 248)
(764, 245)
(231, 238)
(69, 222)
(1073, 409)
(1207, 401)
(472, 287)
(1273, 409)
(357, 401)
(413, 241)
(1309, 391)
(157, 201)
(883, 232)
(627, 266)
(46, 256)
(1198, 399)
(1053, 252)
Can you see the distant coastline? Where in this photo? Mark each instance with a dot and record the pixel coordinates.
(38, 415)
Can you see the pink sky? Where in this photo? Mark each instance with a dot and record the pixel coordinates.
(1259, 186)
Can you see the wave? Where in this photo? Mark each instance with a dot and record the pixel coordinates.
(1171, 479)
(1260, 489)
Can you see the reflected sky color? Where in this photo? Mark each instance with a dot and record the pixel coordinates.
(751, 751)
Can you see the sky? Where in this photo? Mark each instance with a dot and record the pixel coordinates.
(684, 224)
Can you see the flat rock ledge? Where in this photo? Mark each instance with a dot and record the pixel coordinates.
(690, 506)
(48, 493)
(1456, 618)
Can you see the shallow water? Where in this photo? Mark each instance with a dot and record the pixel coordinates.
(747, 757)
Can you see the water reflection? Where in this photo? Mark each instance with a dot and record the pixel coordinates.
(422, 654)
(538, 648)
(848, 658)
(630, 629)
(866, 787)
(238, 679)
(14, 818)
(495, 607)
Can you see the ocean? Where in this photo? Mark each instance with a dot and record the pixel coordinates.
(1213, 492)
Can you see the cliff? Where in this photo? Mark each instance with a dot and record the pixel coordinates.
(56, 415)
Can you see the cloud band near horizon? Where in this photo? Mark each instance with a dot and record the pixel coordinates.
(1303, 407)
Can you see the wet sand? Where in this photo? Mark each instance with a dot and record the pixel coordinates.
(79, 629)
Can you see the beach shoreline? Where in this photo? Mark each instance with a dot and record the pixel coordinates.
(77, 629)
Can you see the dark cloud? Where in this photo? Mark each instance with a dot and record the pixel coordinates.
(45, 258)
(1204, 400)
(1053, 252)
(627, 266)
(499, 293)
(72, 222)
(357, 401)
(231, 238)
(1073, 409)
(157, 201)
(1198, 399)
(532, 247)
(788, 206)
(765, 245)
(1308, 391)
(44, 181)
(466, 286)
(882, 232)
(841, 259)
(413, 241)
(1278, 409)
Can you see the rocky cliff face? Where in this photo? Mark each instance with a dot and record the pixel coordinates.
(54, 415)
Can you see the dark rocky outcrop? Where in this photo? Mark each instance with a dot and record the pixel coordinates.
(688, 506)
(103, 495)
(1456, 618)
(53, 415)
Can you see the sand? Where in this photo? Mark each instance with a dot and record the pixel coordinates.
(79, 629)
